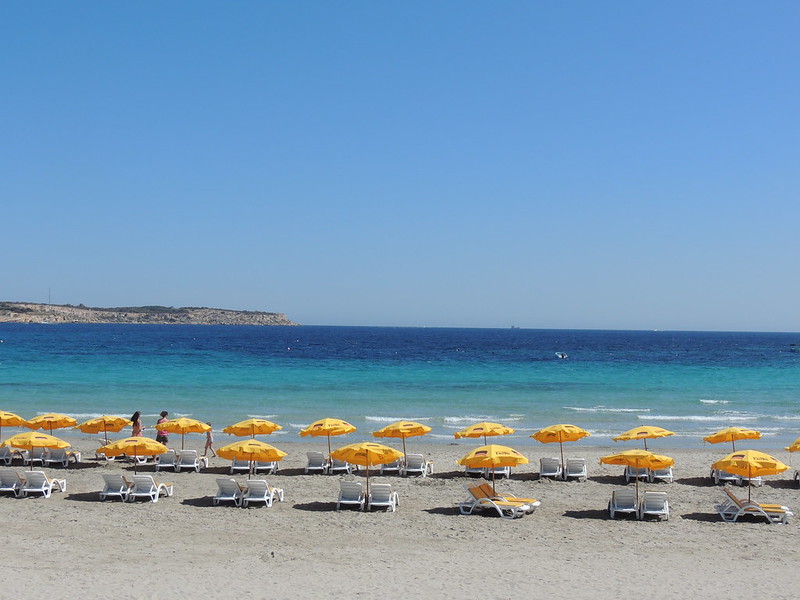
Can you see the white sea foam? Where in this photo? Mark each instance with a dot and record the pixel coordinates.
(787, 417)
(605, 409)
(704, 401)
(468, 419)
(394, 419)
(720, 418)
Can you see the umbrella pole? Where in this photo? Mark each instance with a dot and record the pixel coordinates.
(494, 491)
(183, 437)
(367, 496)
(561, 445)
(404, 448)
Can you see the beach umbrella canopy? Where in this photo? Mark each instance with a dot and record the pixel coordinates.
(134, 446)
(50, 421)
(560, 433)
(795, 447)
(183, 425)
(105, 424)
(492, 456)
(251, 450)
(9, 419)
(328, 427)
(731, 434)
(32, 439)
(402, 430)
(484, 430)
(750, 463)
(644, 433)
(252, 427)
(366, 454)
(638, 459)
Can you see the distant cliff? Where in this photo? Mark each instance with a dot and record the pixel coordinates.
(26, 312)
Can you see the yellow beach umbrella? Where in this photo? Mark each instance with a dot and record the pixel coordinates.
(251, 450)
(105, 424)
(183, 425)
(134, 446)
(50, 421)
(328, 427)
(252, 427)
(750, 463)
(484, 430)
(366, 454)
(492, 456)
(643, 433)
(731, 434)
(9, 419)
(402, 430)
(638, 459)
(795, 447)
(560, 433)
(31, 439)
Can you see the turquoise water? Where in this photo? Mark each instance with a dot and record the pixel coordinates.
(690, 383)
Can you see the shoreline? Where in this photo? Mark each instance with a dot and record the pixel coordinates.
(567, 548)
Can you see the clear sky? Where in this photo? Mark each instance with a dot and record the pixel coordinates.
(611, 165)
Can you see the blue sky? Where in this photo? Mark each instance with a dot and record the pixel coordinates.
(619, 165)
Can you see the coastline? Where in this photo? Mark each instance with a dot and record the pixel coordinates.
(303, 548)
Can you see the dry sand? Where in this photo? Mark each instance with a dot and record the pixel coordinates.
(73, 545)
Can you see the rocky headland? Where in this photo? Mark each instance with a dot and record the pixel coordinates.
(27, 312)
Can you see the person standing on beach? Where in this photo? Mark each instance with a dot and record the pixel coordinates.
(210, 442)
(136, 419)
(162, 436)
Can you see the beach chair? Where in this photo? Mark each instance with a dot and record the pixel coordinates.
(340, 466)
(734, 507)
(61, 456)
(474, 471)
(259, 490)
(489, 492)
(576, 469)
(351, 494)
(392, 467)
(722, 477)
(550, 467)
(37, 456)
(10, 481)
(144, 486)
(382, 496)
(632, 473)
(6, 455)
(266, 467)
(168, 460)
(797, 476)
(623, 501)
(499, 473)
(317, 463)
(240, 466)
(479, 501)
(38, 483)
(228, 490)
(416, 464)
(115, 486)
(189, 460)
(753, 481)
(664, 475)
(654, 504)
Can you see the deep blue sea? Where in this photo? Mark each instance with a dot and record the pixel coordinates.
(691, 383)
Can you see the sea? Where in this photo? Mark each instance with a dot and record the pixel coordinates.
(691, 383)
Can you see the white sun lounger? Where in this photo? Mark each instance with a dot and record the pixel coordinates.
(115, 486)
(168, 460)
(266, 467)
(382, 496)
(259, 490)
(351, 494)
(38, 483)
(666, 475)
(632, 473)
(228, 490)
(734, 507)
(623, 501)
(61, 456)
(416, 464)
(189, 460)
(480, 500)
(144, 486)
(550, 467)
(576, 469)
(654, 504)
(6, 455)
(317, 463)
(10, 481)
(392, 467)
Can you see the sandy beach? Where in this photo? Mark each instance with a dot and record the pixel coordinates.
(304, 548)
